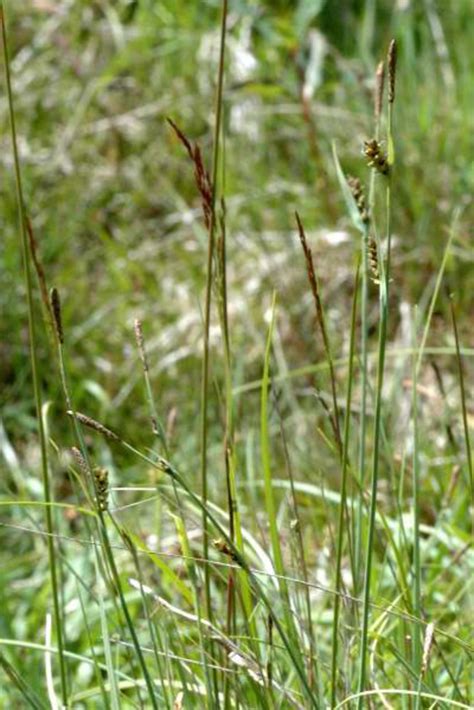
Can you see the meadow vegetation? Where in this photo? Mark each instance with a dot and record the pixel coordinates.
(236, 354)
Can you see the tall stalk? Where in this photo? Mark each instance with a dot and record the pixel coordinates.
(462, 389)
(35, 373)
(385, 165)
(207, 309)
(378, 99)
(93, 491)
(342, 504)
(416, 518)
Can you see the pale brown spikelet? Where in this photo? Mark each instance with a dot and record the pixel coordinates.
(372, 254)
(93, 424)
(357, 191)
(427, 646)
(377, 159)
(392, 70)
(79, 460)
(101, 478)
(141, 343)
(56, 311)
(379, 87)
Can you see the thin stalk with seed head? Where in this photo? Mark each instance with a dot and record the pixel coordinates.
(207, 309)
(92, 485)
(58, 621)
(322, 324)
(378, 101)
(166, 467)
(383, 301)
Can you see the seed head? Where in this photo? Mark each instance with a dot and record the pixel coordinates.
(392, 69)
(101, 478)
(377, 159)
(372, 254)
(56, 310)
(357, 191)
(379, 86)
(141, 343)
(93, 424)
(80, 461)
(427, 646)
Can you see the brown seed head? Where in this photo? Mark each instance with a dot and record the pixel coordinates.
(357, 190)
(377, 159)
(56, 310)
(392, 69)
(93, 424)
(379, 86)
(373, 257)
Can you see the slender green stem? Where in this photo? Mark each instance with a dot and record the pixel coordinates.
(364, 364)
(58, 623)
(103, 532)
(342, 504)
(384, 288)
(270, 504)
(363, 406)
(313, 659)
(463, 404)
(207, 309)
(416, 515)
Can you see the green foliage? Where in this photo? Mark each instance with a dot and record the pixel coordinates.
(118, 227)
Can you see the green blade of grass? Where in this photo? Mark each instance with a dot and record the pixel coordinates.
(52, 553)
(343, 493)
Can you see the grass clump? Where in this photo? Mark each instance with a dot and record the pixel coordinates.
(268, 502)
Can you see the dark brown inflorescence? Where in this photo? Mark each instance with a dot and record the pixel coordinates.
(56, 310)
(377, 159)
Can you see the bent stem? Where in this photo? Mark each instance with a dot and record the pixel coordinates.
(35, 373)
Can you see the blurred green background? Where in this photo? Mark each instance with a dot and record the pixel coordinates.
(111, 195)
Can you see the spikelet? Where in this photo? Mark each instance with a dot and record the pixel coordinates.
(373, 257)
(137, 326)
(93, 424)
(80, 461)
(101, 478)
(201, 175)
(357, 190)
(392, 70)
(377, 159)
(56, 311)
(379, 87)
